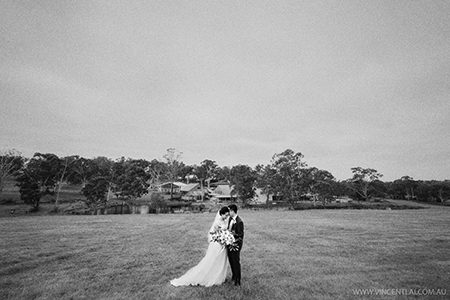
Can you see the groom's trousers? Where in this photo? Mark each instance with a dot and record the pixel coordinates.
(234, 258)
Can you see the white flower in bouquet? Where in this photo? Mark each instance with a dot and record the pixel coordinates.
(224, 237)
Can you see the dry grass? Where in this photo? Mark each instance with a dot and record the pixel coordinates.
(287, 255)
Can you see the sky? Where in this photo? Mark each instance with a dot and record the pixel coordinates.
(345, 83)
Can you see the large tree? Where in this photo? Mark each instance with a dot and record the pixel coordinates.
(101, 183)
(319, 184)
(95, 191)
(266, 180)
(132, 180)
(243, 180)
(288, 167)
(409, 185)
(174, 165)
(186, 173)
(66, 169)
(440, 190)
(38, 178)
(11, 162)
(363, 181)
(81, 170)
(156, 170)
(223, 173)
(206, 171)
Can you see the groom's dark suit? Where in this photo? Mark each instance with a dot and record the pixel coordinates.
(234, 256)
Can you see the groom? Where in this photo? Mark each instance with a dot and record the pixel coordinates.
(236, 226)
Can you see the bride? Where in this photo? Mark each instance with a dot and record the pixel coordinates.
(212, 269)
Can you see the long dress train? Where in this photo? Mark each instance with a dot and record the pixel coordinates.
(211, 270)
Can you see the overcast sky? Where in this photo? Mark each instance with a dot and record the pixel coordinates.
(346, 83)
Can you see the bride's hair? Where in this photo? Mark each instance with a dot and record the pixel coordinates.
(224, 210)
(218, 221)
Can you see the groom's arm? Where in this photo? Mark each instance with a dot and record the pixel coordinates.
(239, 231)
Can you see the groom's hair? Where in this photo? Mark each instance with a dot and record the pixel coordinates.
(233, 207)
(224, 210)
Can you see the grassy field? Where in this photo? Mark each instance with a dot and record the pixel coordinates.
(313, 254)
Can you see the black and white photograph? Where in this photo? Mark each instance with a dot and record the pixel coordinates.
(205, 149)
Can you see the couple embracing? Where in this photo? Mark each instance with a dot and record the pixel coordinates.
(224, 249)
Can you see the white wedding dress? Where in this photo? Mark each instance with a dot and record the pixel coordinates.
(212, 269)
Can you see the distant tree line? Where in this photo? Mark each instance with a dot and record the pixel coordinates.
(287, 179)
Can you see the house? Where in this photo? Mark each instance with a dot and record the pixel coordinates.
(166, 187)
(262, 198)
(222, 193)
(191, 192)
(223, 189)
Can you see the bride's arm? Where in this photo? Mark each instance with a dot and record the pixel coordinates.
(215, 225)
(213, 228)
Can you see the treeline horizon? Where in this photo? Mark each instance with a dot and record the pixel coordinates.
(225, 166)
(287, 177)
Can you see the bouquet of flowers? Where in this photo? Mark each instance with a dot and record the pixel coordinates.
(225, 238)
